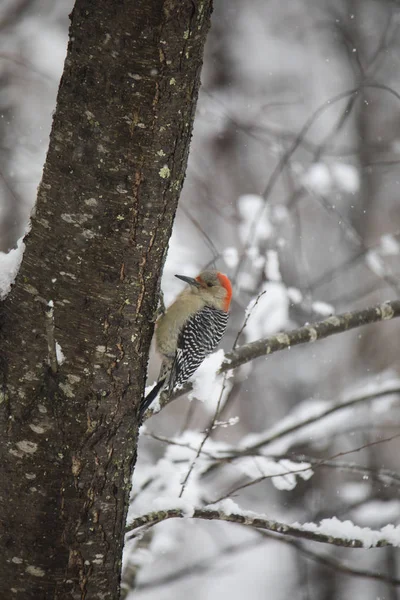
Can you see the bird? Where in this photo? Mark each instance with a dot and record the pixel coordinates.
(189, 330)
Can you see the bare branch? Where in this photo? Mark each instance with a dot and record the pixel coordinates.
(247, 317)
(331, 562)
(269, 438)
(386, 476)
(205, 438)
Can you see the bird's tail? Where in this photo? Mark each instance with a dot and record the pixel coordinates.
(152, 395)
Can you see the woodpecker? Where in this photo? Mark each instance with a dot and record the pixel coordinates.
(190, 329)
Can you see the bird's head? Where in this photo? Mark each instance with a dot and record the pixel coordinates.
(213, 286)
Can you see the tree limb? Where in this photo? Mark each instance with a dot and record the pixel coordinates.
(258, 522)
(309, 333)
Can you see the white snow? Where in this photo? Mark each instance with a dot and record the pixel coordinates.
(348, 531)
(231, 422)
(323, 308)
(318, 179)
(155, 405)
(377, 512)
(283, 473)
(171, 502)
(375, 263)
(143, 556)
(231, 257)
(255, 224)
(245, 280)
(207, 384)
(166, 478)
(272, 271)
(280, 213)
(389, 246)
(355, 491)
(257, 260)
(9, 266)
(182, 259)
(294, 295)
(321, 178)
(59, 353)
(228, 507)
(269, 314)
(346, 177)
(47, 51)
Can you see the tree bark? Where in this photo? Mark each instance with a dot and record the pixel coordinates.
(105, 208)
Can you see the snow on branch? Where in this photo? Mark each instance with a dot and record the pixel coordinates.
(329, 531)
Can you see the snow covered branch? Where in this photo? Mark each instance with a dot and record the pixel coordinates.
(311, 333)
(329, 531)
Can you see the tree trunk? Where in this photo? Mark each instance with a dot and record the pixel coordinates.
(114, 170)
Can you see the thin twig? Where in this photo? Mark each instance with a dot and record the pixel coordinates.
(268, 439)
(248, 315)
(330, 561)
(317, 463)
(205, 438)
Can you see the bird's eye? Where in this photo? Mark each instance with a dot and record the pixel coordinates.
(209, 284)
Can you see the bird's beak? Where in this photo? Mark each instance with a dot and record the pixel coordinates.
(189, 280)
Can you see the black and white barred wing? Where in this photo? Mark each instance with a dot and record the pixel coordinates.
(199, 337)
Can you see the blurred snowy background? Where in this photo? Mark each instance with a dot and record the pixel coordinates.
(292, 190)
